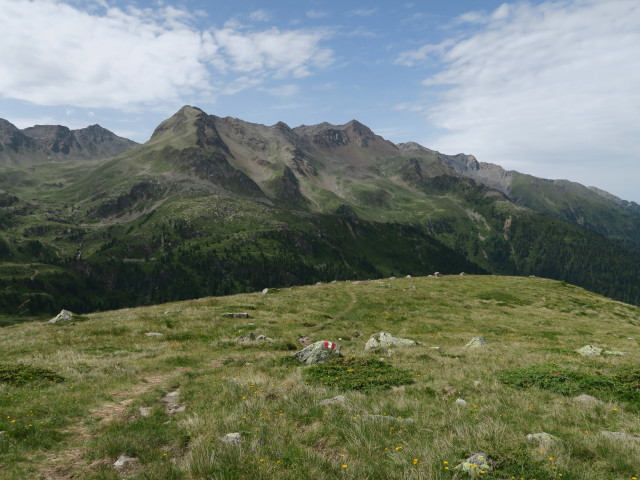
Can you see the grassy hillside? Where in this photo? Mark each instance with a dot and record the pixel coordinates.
(70, 394)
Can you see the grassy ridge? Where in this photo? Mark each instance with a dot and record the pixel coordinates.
(110, 368)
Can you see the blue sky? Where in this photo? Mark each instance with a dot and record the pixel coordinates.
(550, 88)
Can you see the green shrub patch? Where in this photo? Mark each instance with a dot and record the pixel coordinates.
(624, 385)
(360, 374)
(20, 374)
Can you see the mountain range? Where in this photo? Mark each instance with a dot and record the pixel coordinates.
(213, 205)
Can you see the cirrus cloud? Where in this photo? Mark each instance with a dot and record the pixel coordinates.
(550, 87)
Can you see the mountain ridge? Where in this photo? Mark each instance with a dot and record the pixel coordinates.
(47, 143)
(217, 205)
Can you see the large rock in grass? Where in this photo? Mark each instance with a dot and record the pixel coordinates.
(476, 342)
(385, 340)
(318, 352)
(594, 351)
(590, 351)
(63, 316)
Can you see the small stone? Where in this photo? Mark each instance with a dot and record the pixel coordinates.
(172, 403)
(153, 334)
(543, 438)
(63, 316)
(318, 352)
(436, 274)
(232, 438)
(251, 337)
(620, 436)
(125, 461)
(408, 276)
(331, 401)
(590, 351)
(584, 398)
(434, 348)
(477, 383)
(460, 401)
(475, 464)
(476, 342)
(389, 353)
(145, 411)
(265, 291)
(392, 278)
(263, 338)
(236, 315)
(462, 274)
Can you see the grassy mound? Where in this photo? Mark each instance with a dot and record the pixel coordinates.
(20, 374)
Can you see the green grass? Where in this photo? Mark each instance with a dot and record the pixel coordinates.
(21, 374)
(521, 383)
(364, 375)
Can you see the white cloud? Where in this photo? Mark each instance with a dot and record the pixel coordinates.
(56, 54)
(284, 52)
(551, 89)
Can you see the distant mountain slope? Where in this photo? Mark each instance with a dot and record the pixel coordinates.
(589, 207)
(47, 143)
(213, 205)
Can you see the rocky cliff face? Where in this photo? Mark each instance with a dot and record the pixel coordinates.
(51, 143)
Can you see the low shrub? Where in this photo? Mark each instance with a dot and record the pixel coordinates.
(360, 374)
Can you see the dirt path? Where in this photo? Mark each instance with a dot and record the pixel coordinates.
(66, 465)
(345, 312)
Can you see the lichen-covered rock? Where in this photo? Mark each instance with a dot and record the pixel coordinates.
(460, 401)
(63, 316)
(543, 439)
(385, 340)
(476, 342)
(476, 465)
(318, 352)
(590, 351)
(232, 438)
(125, 462)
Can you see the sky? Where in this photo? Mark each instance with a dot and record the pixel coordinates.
(549, 88)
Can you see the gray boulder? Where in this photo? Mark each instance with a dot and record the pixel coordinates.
(476, 342)
(386, 340)
(63, 316)
(318, 352)
(590, 351)
(232, 438)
